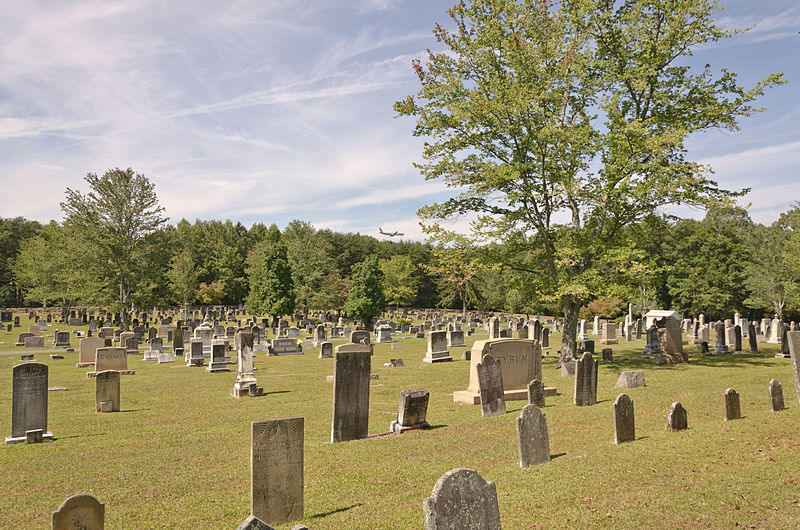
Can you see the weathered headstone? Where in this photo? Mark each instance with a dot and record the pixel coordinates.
(34, 342)
(585, 381)
(608, 355)
(88, 350)
(217, 362)
(630, 379)
(111, 359)
(195, 357)
(107, 396)
(166, 357)
(245, 378)
(737, 338)
(532, 437)
(776, 396)
(490, 381)
(437, 347)
(254, 523)
(28, 401)
(752, 339)
(61, 339)
(455, 338)
(624, 425)
(351, 366)
(462, 500)
(276, 470)
(732, 408)
(536, 393)
(412, 411)
(177, 341)
(80, 512)
(325, 350)
(676, 418)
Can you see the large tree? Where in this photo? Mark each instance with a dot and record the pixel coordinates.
(12, 233)
(365, 300)
(400, 280)
(562, 124)
(271, 287)
(114, 221)
(309, 255)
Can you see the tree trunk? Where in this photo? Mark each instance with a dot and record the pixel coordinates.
(464, 309)
(569, 344)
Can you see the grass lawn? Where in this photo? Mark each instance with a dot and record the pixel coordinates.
(177, 455)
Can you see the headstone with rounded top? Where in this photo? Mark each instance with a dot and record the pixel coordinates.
(462, 500)
(776, 396)
(624, 425)
(82, 512)
(532, 437)
(732, 409)
(676, 418)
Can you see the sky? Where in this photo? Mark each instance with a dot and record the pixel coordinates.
(273, 110)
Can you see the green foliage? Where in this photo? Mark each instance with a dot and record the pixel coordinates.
(271, 287)
(183, 277)
(609, 307)
(400, 280)
(332, 293)
(12, 233)
(365, 300)
(311, 260)
(113, 221)
(211, 294)
(579, 107)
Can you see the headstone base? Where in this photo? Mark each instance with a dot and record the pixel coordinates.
(473, 398)
(609, 341)
(329, 378)
(121, 372)
(23, 439)
(782, 356)
(245, 391)
(396, 427)
(441, 359)
(217, 367)
(56, 357)
(83, 365)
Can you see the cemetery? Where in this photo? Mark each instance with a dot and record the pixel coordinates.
(368, 464)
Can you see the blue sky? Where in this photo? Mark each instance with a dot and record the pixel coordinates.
(273, 110)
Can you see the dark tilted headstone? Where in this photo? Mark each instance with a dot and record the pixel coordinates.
(28, 401)
(751, 337)
(624, 425)
(608, 355)
(545, 337)
(719, 339)
(737, 338)
(785, 342)
(536, 393)
(412, 411)
(676, 418)
(652, 346)
(351, 367)
(776, 396)
(462, 499)
(586, 346)
(490, 383)
(732, 408)
(532, 437)
(276, 470)
(82, 512)
(704, 348)
(585, 381)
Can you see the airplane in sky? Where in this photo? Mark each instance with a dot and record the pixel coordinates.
(390, 234)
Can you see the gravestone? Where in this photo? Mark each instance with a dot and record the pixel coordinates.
(437, 348)
(107, 391)
(217, 362)
(624, 427)
(462, 500)
(545, 337)
(61, 339)
(532, 438)
(326, 350)
(490, 381)
(630, 379)
(494, 328)
(22, 336)
(719, 340)
(177, 341)
(195, 357)
(455, 338)
(586, 346)
(111, 359)
(34, 342)
(793, 338)
(585, 381)
(652, 347)
(384, 333)
(412, 411)
(28, 401)
(132, 347)
(737, 338)
(351, 367)
(609, 333)
(284, 346)
(732, 408)
(752, 338)
(776, 396)
(608, 355)
(80, 512)
(156, 343)
(676, 418)
(166, 357)
(320, 334)
(276, 470)
(536, 393)
(245, 378)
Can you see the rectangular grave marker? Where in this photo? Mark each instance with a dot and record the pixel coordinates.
(28, 401)
(276, 470)
(351, 366)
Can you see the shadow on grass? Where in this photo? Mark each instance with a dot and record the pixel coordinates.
(276, 392)
(80, 436)
(325, 514)
(553, 457)
(133, 410)
(740, 360)
(433, 427)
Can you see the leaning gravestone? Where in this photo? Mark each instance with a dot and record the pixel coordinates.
(276, 470)
(490, 382)
(676, 418)
(351, 368)
(624, 426)
(793, 338)
(462, 500)
(532, 438)
(585, 381)
(80, 512)
(107, 391)
(536, 393)
(28, 401)
(412, 411)
(732, 408)
(776, 396)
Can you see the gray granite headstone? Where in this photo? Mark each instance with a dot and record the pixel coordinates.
(412, 411)
(28, 401)
(490, 383)
(107, 389)
(536, 393)
(276, 470)
(351, 367)
(532, 438)
(751, 337)
(676, 418)
(585, 381)
(630, 379)
(462, 499)
(82, 512)
(776, 396)
(624, 425)
(254, 523)
(732, 408)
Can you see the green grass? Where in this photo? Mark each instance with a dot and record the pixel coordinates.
(177, 455)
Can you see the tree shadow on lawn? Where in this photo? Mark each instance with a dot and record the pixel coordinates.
(338, 510)
(276, 392)
(132, 410)
(740, 360)
(80, 435)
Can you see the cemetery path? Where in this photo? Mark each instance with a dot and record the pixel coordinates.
(25, 352)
